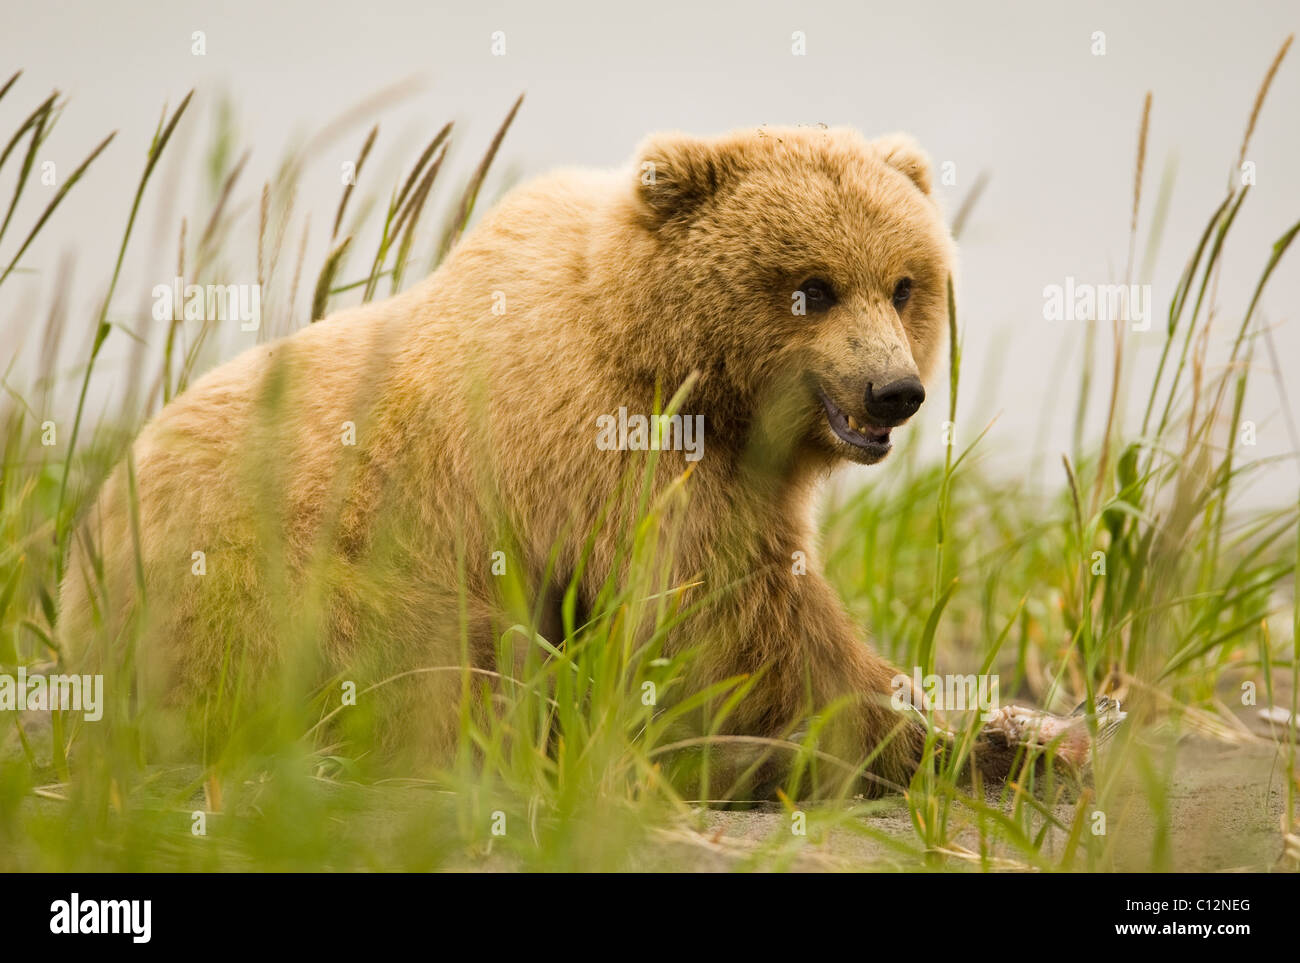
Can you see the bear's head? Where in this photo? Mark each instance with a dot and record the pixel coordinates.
(807, 268)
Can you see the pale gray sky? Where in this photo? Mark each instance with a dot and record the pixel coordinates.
(1010, 88)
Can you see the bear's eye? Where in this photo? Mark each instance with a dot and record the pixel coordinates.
(902, 291)
(818, 295)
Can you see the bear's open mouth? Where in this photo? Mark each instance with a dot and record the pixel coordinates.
(865, 437)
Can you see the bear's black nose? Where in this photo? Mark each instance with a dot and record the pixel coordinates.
(895, 402)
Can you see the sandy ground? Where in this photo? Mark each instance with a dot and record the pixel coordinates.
(1222, 813)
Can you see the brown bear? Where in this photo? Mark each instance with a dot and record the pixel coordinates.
(386, 492)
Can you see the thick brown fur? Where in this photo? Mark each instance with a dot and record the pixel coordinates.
(475, 433)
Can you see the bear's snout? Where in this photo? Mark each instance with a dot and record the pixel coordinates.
(895, 402)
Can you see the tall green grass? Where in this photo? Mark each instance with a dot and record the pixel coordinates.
(949, 565)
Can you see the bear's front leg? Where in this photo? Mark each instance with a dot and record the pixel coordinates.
(811, 672)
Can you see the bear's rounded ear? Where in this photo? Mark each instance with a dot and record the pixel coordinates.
(676, 173)
(903, 153)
